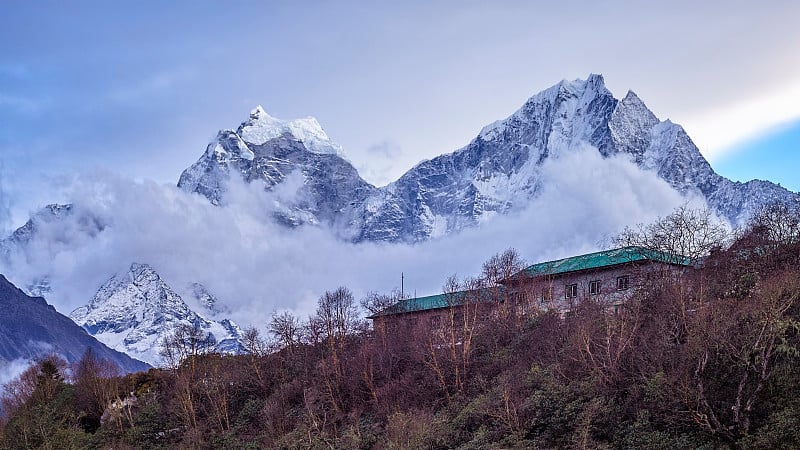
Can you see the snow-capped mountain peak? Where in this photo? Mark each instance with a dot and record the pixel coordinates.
(31, 328)
(261, 127)
(271, 150)
(260, 116)
(567, 99)
(134, 310)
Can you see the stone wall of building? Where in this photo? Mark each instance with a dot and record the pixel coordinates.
(609, 286)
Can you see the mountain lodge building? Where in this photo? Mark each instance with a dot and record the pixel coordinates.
(607, 277)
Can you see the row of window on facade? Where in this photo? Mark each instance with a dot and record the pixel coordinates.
(595, 288)
(570, 291)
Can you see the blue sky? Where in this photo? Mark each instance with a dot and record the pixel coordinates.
(773, 156)
(139, 88)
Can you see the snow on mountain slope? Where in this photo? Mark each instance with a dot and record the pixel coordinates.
(261, 127)
(500, 170)
(133, 312)
(272, 151)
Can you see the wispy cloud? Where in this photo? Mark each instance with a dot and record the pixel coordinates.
(383, 157)
(385, 149)
(718, 131)
(9, 370)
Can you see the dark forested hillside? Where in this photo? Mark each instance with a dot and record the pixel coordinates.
(706, 360)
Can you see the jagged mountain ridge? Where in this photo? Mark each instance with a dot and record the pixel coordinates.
(30, 328)
(332, 190)
(497, 172)
(133, 312)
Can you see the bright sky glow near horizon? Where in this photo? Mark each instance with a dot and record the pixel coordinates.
(139, 89)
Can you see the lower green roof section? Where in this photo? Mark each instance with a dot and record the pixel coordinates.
(441, 301)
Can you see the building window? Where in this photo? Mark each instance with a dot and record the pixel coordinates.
(547, 295)
(623, 282)
(594, 287)
(571, 291)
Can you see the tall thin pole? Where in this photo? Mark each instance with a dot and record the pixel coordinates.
(402, 285)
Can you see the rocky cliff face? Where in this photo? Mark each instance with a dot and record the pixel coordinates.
(134, 311)
(499, 171)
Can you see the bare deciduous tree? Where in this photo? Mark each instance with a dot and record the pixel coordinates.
(737, 346)
(375, 302)
(181, 350)
(96, 385)
(285, 328)
(338, 313)
(256, 349)
(686, 232)
(502, 266)
(501, 274)
(777, 223)
(186, 341)
(336, 319)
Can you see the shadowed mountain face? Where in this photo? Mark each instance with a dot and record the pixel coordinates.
(30, 328)
(498, 172)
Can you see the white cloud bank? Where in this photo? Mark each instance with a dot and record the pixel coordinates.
(255, 266)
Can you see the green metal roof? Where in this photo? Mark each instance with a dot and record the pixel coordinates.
(437, 301)
(605, 258)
